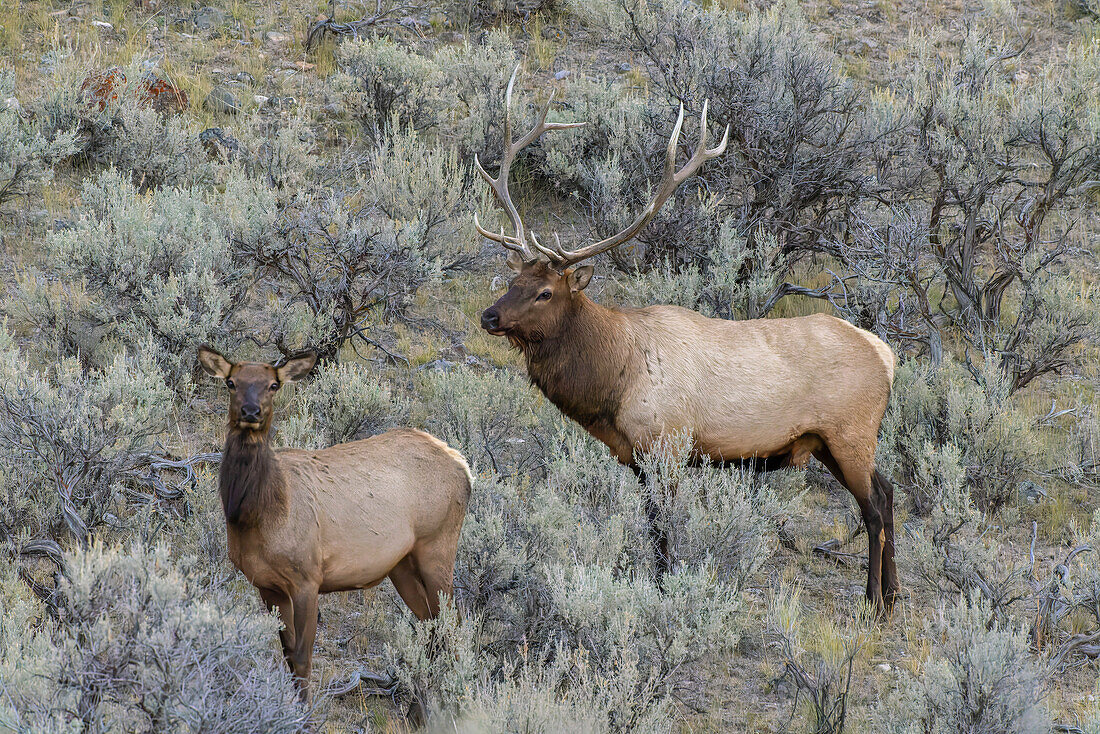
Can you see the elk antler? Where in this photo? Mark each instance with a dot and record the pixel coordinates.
(670, 181)
(559, 257)
(500, 183)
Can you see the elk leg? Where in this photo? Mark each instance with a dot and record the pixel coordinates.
(856, 476)
(885, 495)
(872, 518)
(279, 601)
(305, 632)
(436, 567)
(658, 536)
(406, 579)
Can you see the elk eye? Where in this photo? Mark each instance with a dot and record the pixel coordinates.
(274, 386)
(545, 296)
(231, 385)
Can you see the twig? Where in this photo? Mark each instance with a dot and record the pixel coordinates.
(355, 27)
(382, 684)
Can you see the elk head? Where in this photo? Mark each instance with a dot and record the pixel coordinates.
(252, 385)
(547, 286)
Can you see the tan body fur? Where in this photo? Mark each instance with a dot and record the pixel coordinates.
(355, 511)
(741, 388)
(301, 523)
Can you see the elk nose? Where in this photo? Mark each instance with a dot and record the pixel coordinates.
(490, 319)
(250, 413)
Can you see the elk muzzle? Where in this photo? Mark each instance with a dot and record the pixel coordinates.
(490, 321)
(251, 414)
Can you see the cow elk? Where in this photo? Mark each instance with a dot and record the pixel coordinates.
(302, 523)
(769, 393)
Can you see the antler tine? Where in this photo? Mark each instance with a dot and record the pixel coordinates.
(499, 184)
(509, 242)
(670, 181)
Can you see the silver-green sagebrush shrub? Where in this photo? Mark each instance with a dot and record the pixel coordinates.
(477, 75)
(458, 92)
(341, 402)
(554, 580)
(954, 552)
(996, 444)
(143, 641)
(495, 419)
(798, 138)
(384, 83)
(981, 679)
(74, 441)
(26, 156)
(159, 268)
(156, 149)
(720, 518)
(738, 278)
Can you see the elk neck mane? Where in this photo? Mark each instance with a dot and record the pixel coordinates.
(249, 481)
(584, 369)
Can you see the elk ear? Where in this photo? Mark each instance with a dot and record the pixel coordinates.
(297, 367)
(213, 363)
(514, 261)
(579, 278)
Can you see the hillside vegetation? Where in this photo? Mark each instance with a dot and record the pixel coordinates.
(267, 177)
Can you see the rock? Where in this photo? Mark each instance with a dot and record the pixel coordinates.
(103, 24)
(623, 67)
(218, 143)
(276, 37)
(562, 74)
(222, 102)
(260, 100)
(283, 103)
(884, 667)
(862, 46)
(208, 18)
(439, 365)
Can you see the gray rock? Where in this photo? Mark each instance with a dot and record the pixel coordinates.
(562, 74)
(221, 101)
(217, 143)
(276, 37)
(208, 18)
(862, 46)
(439, 365)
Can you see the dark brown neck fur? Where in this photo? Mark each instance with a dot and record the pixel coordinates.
(250, 483)
(583, 370)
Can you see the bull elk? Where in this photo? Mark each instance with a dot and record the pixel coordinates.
(768, 393)
(303, 523)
